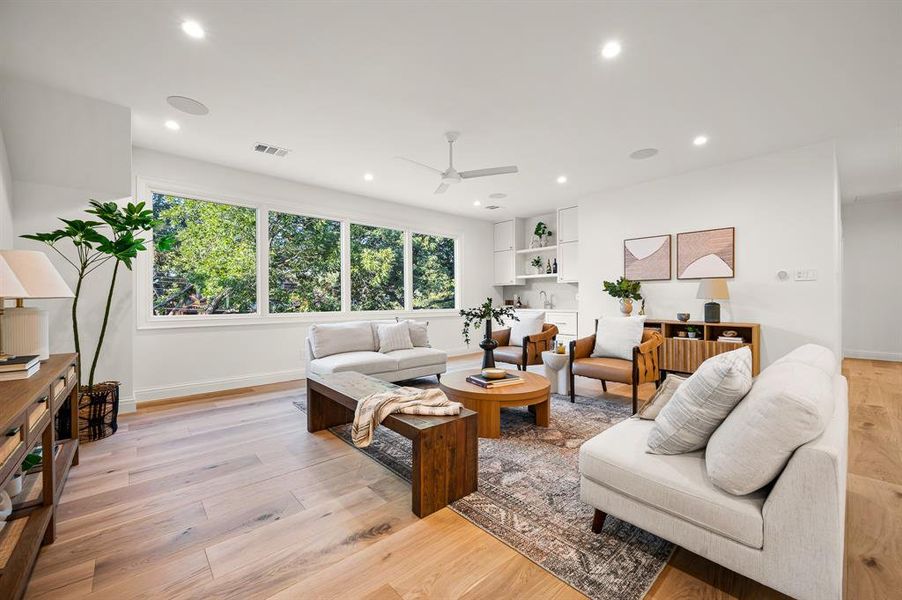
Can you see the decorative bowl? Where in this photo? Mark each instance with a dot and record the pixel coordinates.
(683, 317)
(493, 373)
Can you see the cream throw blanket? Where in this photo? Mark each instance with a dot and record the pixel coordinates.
(408, 400)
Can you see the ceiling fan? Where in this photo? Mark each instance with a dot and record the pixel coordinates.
(451, 176)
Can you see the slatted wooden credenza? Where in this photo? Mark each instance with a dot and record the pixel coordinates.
(684, 355)
(28, 408)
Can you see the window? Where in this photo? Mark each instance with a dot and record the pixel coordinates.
(212, 266)
(377, 268)
(433, 272)
(304, 264)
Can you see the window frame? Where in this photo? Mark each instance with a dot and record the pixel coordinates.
(142, 274)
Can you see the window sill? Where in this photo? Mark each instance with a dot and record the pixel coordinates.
(195, 322)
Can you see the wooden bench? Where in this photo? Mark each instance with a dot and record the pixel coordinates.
(445, 449)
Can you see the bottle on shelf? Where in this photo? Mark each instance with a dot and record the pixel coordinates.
(548, 268)
(554, 266)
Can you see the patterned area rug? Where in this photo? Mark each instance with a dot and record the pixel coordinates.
(529, 498)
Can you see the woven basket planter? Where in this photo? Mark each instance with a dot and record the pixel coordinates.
(98, 409)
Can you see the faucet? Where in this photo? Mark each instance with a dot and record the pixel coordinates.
(544, 298)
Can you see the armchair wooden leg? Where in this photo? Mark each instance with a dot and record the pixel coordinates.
(604, 385)
(438, 377)
(572, 390)
(598, 521)
(657, 383)
(635, 397)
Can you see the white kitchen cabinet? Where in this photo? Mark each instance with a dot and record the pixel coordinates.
(568, 262)
(505, 268)
(504, 236)
(568, 225)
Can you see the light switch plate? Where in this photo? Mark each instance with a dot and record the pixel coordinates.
(805, 275)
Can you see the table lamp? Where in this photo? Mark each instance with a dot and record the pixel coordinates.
(10, 287)
(26, 329)
(711, 290)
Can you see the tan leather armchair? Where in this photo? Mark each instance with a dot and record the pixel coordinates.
(643, 368)
(530, 353)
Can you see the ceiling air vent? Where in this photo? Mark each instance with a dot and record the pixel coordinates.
(270, 149)
(492, 207)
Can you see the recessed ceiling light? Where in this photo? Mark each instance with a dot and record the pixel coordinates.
(476, 203)
(562, 179)
(497, 196)
(193, 29)
(644, 153)
(700, 140)
(367, 176)
(611, 49)
(172, 125)
(187, 105)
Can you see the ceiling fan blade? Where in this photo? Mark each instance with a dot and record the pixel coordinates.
(441, 188)
(410, 160)
(487, 172)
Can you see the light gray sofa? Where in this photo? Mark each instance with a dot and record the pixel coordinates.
(354, 346)
(788, 535)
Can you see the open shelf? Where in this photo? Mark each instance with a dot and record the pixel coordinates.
(533, 250)
(32, 484)
(542, 276)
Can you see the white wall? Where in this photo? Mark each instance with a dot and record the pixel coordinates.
(872, 286)
(63, 150)
(6, 198)
(180, 361)
(784, 209)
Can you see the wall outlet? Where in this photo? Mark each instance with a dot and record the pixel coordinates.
(805, 275)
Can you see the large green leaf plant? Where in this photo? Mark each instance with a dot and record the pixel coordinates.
(114, 236)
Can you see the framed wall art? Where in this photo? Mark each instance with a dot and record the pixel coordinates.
(706, 254)
(647, 259)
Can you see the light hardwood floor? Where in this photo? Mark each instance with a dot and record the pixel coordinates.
(229, 497)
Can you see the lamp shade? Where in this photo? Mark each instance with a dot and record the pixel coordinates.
(10, 286)
(713, 289)
(37, 275)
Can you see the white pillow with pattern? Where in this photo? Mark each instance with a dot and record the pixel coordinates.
(394, 336)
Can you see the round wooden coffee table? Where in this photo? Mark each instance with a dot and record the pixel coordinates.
(533, 392)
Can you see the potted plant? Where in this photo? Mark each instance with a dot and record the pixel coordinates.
(112, 237)
(488, 313)
(692, 331)
(542, 233)
(33, 459)
(537, 265)
(626, 291)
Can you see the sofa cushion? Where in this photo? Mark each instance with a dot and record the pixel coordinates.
(327, 339)
(701, 403)
(528, 324)
(677, 485)
(662, 396)
(367, 363)
(615, 337)
(418, 357)
(393, 336)
(613, 369)
(789, 404)
(419, 333)
(814, 355)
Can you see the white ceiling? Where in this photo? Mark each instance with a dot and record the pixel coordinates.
(870, 165)
(349, 85)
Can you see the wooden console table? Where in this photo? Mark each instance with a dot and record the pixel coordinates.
(684, 355)
(28, 408)
(445, 449)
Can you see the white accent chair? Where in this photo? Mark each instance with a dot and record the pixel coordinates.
(788, 536)
(354, 346)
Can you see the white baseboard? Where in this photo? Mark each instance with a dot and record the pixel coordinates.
(216, 385)
(127, 405)
(871, 355)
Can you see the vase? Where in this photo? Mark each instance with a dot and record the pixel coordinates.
(626, 306)
(488, 345)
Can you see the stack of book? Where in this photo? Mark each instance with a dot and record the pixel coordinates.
(731, 339)
(19, 367)
(487, 383)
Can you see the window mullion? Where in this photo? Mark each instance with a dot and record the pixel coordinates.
(408, 270)
(263, 261)
(345, 266)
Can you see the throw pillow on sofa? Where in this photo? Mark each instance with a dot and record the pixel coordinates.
(327, 339)
(789, 405)
(615, 337)
(394, 336)
(663, 394)
(527, 325)
(419, 334)
(701, 403)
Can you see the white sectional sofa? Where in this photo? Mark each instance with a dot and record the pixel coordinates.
(787, 535)
(354, 346)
